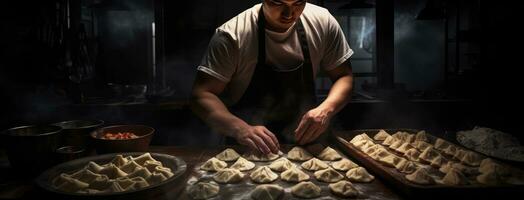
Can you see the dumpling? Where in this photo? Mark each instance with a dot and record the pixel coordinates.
(130, 167)
(267, 192)
(369, 150)
(491, 178)
(213, 164)
(126, 184)
(294, 174)
(329, 154)
(488, 165)
(119, 160)
(459, 154)
(380, 153)
(263, 175)
(68, 184)
(298, 154)
(92, 166)
(262, 157)
(422, 136)
(381, 135)
(282, 164)
(314, 164)
(391, 160)
(422, 146)
(143, 158)
(406, 166)
(420, 176)
(163, 170)
(410, 138)
(112, 171)
(152, 165)
(100, 183)
(156, 178)
(363, 144)
(360, 137)
(228, 175)
(452, 165)
(328, 175)
(344, 189)
(359, 174)
(472, 159)
(401, 135)
(228, 155)
(141, 172)
(243, 165)
(343, 165)
(306, 189)
(404, 148)
(428, 155)
(139, 182)
(441, 144)
(454, 177)
(204, 190)
(85, 176)
(438, 161)
(396, 144)
(451, 150)
(389, 141)
(412, 154)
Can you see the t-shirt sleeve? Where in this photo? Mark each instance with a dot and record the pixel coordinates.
(336, 48)
(219, 60)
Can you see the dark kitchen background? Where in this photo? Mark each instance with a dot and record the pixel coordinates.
(436, 65)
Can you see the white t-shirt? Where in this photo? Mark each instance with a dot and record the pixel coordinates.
(232, 53)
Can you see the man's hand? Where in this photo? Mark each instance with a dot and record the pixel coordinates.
(312, 124)
(258, 139)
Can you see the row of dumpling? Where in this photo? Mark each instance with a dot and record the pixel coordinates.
(120, 174)
(305, 189)
(296, 154)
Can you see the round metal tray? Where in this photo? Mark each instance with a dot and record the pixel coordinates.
(177, 166)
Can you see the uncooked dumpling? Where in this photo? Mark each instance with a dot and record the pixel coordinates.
(396, 144)
(464, 169)
(329, 154)
(491, 178)
(299, 154)
(488, 166)
(343, 165)
(451, 150)
(363, 144)
(369, 150)
(262, 157)
(438, 161)
(228, 155)
(282, 164)
(441, 144)
(454, 177)
(422, 146)
(391, 160)
(228, 175)
(420, 176)
(306, 189)
(69, 184)
(380, 153)
(404, 148)
(412, 154)
(112, 171)
(143, 158)
(389, 141)
(243, 164)
(213, 164)
(267, 192)
(314, 164)
(344, 189)
(406, 166)
(428, 155)
(381, 135)
(119, 161)
(359, 174)
(422, 136)
(263, 175)
(360, 137)
(328, 175)
(204, 190)
(472, 159)
(294, 174)
(459, 154)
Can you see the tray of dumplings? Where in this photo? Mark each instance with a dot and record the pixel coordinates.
(112, 175)
(419, 163)
(295, 175)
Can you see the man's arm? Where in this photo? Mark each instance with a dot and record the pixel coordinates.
(316, 121)
(206, 104)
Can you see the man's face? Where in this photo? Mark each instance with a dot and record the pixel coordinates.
(281, 14)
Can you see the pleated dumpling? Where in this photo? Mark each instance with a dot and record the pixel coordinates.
(204, 190)
(401, 135)
(404, 147)
(163, 170)
(420, 176)
(299, 154)
(93, 167)
(389, 141)
(294, 174)
(243, 164)
(228, 175)
(267, 192)
(363, 144)
(314, 164)
(471, 158)
(281, 164)
(422, 136)
(252, 156)
(112, 171)
(343, 165)
(143, 158)
(359, 174)
(381, 135)
(391, 160)
(263, 175)
(395, 145)
(370, 149)
(151, 165)
(228, 155)
(119, 161)
(306, 189)
(360, 137)
(441, 144)
(329, 154)
(406, 166)
(328, 175)
(454, 177)
(438, 161)
(380, 153)
(130, 167)
(422, 146)
(412, 154)
(491, 178)
(141, 172)
(85, 176)
(428, 155)
(488, 166)
(451, 150)
(344, 189)
(68, 184)
(213, 164)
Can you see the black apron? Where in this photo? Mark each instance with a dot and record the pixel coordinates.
(277, 99)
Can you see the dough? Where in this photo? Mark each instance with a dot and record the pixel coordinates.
(298, 154)
(306, 189)
(263, 175)
(228, 155)
(359, 174)
(267, 192)
(243, 164)
(328, 175)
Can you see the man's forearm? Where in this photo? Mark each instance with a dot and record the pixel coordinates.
(339, 95)
(213, 111)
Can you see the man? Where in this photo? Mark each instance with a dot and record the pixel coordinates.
(256, 81)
